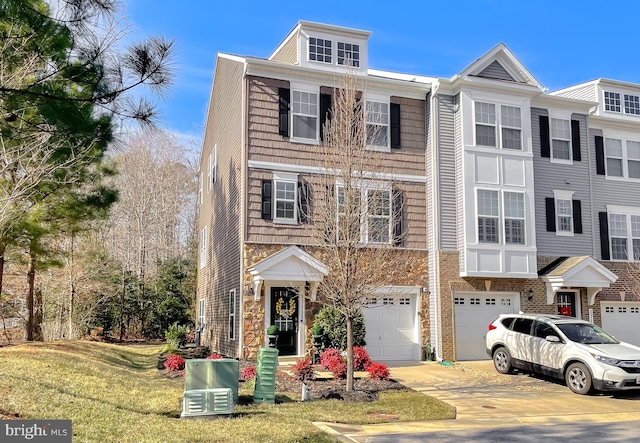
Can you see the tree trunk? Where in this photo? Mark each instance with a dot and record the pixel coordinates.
(3, 248)
(38, 314)
(30, 292)
(349, 386)
(122, 298)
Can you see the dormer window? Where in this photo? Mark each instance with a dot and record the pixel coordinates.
(611, 101)
(319, 50)
(348, 54)
(631, 104)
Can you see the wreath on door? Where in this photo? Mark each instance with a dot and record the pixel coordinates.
(288, 311)
(566, 311)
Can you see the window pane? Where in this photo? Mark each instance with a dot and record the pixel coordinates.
(487, 230)
(511, 116)
(377, 135)
(513, 205)
(284, 209)
(636, 249)
(485, 135)
(560, 129)
(561, 149)
(613, 147)
(511, 138)
(612, 101)
(635, 226)
(378, 203)
(619, 248)
(564, 224)
(514, 231)
(304, 127)
(634, 169)
(614, 167)
(485, 113)
(618, 225)
(488, 203)
(379, 230)
(631, 104)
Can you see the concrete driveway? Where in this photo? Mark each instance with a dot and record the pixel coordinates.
(484, 399)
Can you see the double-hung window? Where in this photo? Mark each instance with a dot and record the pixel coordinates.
(378, 216)
(304, 109)
(349, 214)
(377, 118)
(201, 313)
(488, 216)
(203, 247)
(201, 189)
(564, 215)
(511, 122)
(485, 124)
(622, 158)
(514, 217)
(286, 197)
(624, 230)
(560, 139)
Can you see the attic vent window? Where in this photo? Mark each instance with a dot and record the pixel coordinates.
(319, 50)
(348, 54)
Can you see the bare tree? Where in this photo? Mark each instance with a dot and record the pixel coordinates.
(355, 221)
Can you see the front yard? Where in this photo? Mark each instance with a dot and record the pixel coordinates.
(115, 393)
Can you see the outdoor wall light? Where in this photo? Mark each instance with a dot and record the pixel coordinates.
(530, 296)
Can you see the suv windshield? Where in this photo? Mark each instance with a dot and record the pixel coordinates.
(586, 333)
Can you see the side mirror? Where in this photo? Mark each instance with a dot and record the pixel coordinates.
(552, 339)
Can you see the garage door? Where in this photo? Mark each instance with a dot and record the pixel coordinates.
(473, 313)
(391, 328)
(622, 320)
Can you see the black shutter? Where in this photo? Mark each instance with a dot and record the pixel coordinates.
(304, 198)
(267, 204)
(330, 226)
(577, 217)
(325, 112)
(398, 219)
(575, 139)
(551, 214)
(394, 115)
(600, 155)
(604, 235)
(284, 95)
(545, 143)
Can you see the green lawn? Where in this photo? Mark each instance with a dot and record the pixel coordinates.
(114, 393)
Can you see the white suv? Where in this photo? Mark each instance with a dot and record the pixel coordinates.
(582, 354)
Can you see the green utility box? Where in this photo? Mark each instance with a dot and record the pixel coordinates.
(212, 374)
(265, 390)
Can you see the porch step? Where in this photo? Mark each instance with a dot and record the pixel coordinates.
(287, 360)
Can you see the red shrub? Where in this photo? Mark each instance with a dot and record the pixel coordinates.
(378, 371)
(303, 369)
(248, 373)
(174, 363)
(328, 356)
(214, 356)
(361, 359)
(338, 368)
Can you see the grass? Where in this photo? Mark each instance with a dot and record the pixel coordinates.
(114, 393)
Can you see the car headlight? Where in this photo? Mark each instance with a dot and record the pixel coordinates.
(606, 360)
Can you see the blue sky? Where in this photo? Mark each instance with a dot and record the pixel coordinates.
(562, 42)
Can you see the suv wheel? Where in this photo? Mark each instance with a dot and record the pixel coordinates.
(578, 378)
(502, 360)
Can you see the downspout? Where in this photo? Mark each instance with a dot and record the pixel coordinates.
(434, 281)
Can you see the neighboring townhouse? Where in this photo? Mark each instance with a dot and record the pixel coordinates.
(260, 165)
(514, 199)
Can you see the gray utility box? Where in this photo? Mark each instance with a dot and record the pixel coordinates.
(212, 374)
(203, 403)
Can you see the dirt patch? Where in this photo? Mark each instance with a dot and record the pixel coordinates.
(6, 415)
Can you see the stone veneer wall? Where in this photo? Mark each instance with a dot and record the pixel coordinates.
(410, 271)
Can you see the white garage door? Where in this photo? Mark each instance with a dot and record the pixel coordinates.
(390, 323)
(622, 320)
(473, 313)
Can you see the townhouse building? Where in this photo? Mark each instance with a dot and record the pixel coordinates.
(513, 198)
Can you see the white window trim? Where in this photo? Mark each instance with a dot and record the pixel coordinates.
(563, 195)
(364, 209)
(201, 189)
(312, 89)
(621, 93)
(284, 177)
(203, 247)
(379, 98)
(333, 50)
(523, 218)
(201, 313)
(552, 159)
(627, 211)
(232, 316)
(498, 125)
(502, 240)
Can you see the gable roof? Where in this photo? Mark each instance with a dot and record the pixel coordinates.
(582, 271)
(500, 64)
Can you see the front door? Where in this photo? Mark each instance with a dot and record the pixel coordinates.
(284, 314)
(567, 304)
